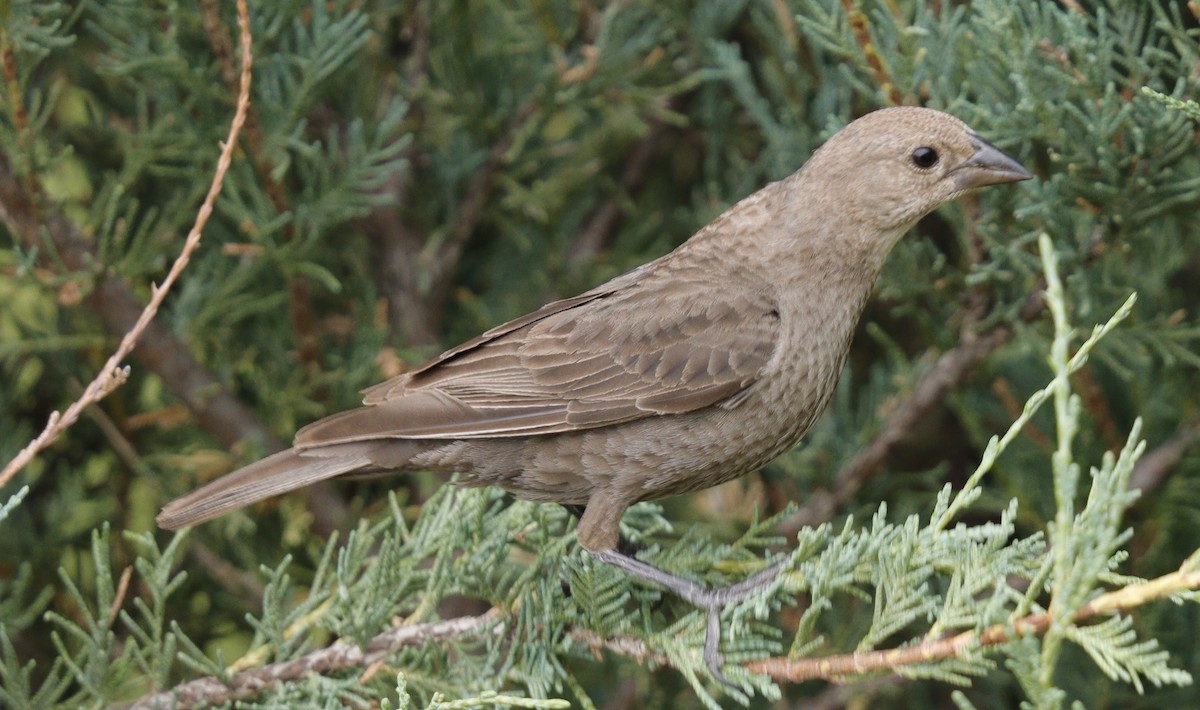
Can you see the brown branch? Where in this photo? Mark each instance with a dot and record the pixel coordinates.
(338, 657)
(1156, 466)
(1186, 579)
(302, 318)
(237, 583)
(861, 28)
(598, 229)
(406, 261)
(19, 213)
(470, 209)
(397, 245)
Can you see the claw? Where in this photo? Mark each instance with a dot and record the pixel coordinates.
(712, 601)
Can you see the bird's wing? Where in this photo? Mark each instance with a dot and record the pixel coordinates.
(605, 357)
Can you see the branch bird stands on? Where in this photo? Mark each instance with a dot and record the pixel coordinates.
(689, 371)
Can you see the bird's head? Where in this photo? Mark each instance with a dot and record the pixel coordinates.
(893, 166)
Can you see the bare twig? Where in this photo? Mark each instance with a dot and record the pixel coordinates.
(119, 597)
(112, 375)
(340, 656)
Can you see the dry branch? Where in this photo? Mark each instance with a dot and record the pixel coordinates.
(21, 215)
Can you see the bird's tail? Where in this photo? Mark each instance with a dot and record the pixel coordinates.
(276, 474)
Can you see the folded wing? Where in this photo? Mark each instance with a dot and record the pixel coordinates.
(606, 357)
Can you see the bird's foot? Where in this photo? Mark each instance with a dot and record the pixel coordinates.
(712, 600)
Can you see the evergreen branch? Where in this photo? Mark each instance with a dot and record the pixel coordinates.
(111, 374)
(14, 500)
(1186, 579)
(338, 657)
(1189, 108)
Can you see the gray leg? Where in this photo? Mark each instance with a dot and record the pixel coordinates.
(712, 601)
(598, 533)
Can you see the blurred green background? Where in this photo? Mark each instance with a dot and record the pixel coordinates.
(413, 173)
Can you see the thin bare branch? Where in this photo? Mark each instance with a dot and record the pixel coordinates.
(340, 656)
(112, 374)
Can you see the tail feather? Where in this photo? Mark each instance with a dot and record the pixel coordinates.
(276, 474)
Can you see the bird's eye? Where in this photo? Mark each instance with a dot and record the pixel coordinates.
(924, 157)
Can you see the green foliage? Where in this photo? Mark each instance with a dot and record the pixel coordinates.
(415, 173)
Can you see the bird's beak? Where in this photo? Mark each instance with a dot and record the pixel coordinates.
(988, 166)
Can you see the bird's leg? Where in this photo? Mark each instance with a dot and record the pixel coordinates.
(712, 600)
(598, 532)
(624, 546)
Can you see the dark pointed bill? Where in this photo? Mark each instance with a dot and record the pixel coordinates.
(988, 166)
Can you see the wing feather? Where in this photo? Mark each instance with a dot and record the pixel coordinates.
(609, 356)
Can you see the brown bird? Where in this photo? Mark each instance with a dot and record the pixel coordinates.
(694, 369)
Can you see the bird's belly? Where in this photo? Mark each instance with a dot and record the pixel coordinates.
(650, 458)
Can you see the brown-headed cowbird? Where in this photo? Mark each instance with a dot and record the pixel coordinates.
(694, 369)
